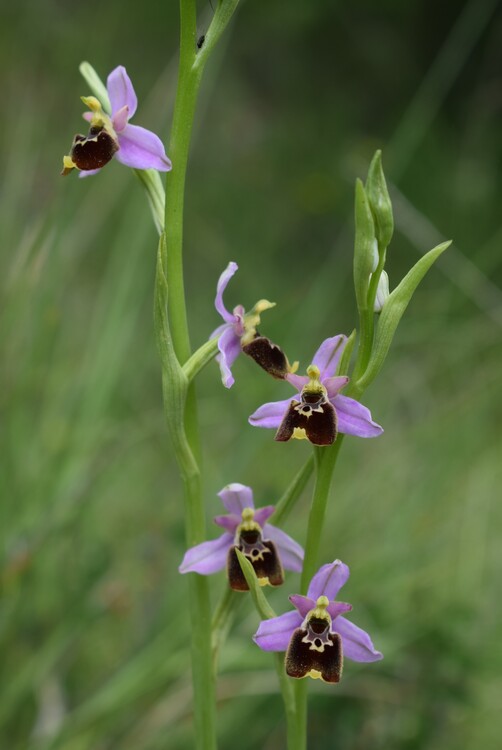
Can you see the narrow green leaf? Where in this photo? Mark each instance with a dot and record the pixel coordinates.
(380, 203)
(262, 606)
(363, 246)
(393, 310)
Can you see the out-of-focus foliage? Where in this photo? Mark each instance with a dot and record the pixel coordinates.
(93, 633)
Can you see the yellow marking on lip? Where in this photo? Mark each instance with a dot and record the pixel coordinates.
(299, 433)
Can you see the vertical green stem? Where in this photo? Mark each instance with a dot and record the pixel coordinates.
(200, 606)
(325, 461)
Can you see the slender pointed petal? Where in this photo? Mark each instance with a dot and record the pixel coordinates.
(262, 514)
(354, 418)
(229, 522)
(328, 355)
(235, 497)
(302, 603)
(271, 414)
(335, 384)
(208, 557)
(230, 347)
(222, 285)
(338, 608)
(142, 149)
(357, 645)
(298, 381)
(329, 580)
(121, 91)
(290, 552)
(275, 634)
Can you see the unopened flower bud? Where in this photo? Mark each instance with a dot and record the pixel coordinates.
(382, 291)
(379, 199)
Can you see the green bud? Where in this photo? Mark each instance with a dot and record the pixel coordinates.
(381, 206)
(363, 246)
(392, 311)
(382, 293)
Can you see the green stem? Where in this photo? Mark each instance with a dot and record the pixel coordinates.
(189, 78)
(200, 605)
(288, 500)
(325, 460)
(300, 690)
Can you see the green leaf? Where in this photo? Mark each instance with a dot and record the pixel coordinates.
(363, 246)
(393, 310)
(380, 203)
(259, 599)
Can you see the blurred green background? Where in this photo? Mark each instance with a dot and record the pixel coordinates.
(93, 619)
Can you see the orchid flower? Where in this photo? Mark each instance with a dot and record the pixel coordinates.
(113, 136)
(238, 333)
(268, 548)
(321, 412)
(315, 636)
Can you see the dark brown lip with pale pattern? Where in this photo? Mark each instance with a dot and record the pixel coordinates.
(92, 151)
(268, 355)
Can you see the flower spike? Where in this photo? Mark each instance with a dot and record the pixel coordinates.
(268, 548)
(113, 136)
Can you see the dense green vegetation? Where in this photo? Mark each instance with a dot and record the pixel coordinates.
(93, 627)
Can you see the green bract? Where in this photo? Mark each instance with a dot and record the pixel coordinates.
(392, 311)
(363, 246)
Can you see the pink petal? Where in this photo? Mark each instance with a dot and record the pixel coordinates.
(218, 331)
(290, 552)
(335, 384)
(230, 347)
(298, 381)
(208, 557)
(357, 645)
(275, 634)
(222, 285)
(338, 608)
(328, 580)
(120, 119)
(262, 514)
(328, 355)
(229, 522)
(142, 149)
(121, 91)
(354, 418)
(235, 497)
(302, 603)
(270, 415)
